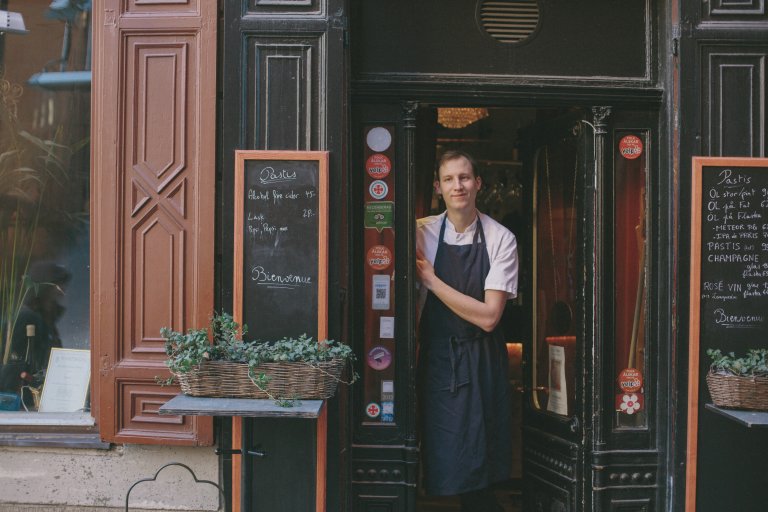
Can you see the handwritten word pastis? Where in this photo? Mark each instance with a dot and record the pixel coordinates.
(270, 175)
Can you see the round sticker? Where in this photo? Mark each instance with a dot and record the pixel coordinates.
(378, 166)
(372, 410)
(630, 380)
(378, 139)
(630, 403)
(379, 358)
(379, 257)
(378, 189)
(631, 147)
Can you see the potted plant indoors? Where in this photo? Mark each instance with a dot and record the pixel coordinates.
(217, 362)
(739, 382)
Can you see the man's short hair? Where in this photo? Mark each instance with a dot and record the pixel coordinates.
(453, 154)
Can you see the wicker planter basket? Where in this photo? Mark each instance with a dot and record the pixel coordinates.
(735, 392)
(223, 379)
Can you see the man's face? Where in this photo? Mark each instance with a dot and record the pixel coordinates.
(457, 184)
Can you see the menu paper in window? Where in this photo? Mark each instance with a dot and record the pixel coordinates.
(66, 381)
(558, 393)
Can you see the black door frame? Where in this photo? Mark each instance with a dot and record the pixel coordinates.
(600, 455)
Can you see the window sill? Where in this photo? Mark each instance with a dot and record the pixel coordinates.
(49, 419)
(51, 429)
(51, 440)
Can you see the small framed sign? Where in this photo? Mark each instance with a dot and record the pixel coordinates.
(66, 381)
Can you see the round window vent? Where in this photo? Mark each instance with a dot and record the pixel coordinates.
(508, 21)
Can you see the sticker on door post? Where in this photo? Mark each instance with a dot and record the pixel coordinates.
(380, 292)
(631, 147)
(379, 215)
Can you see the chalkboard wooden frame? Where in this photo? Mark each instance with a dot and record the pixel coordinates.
(321, 157)
(694, 326)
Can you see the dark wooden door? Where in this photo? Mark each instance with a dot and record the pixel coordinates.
(283, 87)
(723, 111)
(556, 357)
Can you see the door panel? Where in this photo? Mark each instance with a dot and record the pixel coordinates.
(384, 451)
(152, 216)
(553, 437)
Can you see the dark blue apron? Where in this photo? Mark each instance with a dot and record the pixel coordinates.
(463, 384)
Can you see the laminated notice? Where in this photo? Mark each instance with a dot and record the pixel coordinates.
(380, 292)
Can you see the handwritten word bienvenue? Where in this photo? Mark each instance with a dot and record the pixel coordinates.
(270, 280)
(739, 321)
(270, 175)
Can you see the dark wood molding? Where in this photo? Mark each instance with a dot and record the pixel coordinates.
(483, 90)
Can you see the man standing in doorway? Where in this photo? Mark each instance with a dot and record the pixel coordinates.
(467, 265)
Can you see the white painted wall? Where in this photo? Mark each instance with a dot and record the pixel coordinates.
(101, 478)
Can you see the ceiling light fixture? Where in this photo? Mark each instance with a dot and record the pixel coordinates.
(460, 117)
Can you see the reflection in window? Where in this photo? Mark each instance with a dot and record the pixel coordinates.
(44, 194)
(556, 278)
(629, 235)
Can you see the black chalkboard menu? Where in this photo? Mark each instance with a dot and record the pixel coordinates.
(280, 243)
(728, 285)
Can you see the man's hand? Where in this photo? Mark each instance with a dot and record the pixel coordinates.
(425, 271)
(484, 314)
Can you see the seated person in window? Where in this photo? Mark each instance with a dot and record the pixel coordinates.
(42, 309)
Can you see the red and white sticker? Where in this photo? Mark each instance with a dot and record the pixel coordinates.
(631, 147)
(372, 410)
(378, 166)
(379, 257)
(378, 189)
(630, 380)
(629, 403)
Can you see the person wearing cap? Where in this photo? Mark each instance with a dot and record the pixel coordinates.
(467, 268)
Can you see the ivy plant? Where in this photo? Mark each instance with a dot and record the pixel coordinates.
(223, 341)
(753, 364)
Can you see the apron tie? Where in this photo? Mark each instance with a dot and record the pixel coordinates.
(452, 346)
(457, 350)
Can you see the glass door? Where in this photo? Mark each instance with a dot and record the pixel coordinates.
(553, 436)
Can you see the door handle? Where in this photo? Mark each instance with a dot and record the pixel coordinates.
(574, 425)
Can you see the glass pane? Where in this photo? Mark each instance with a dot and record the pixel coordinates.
(44, 204)
(629, 276)
(556, 278)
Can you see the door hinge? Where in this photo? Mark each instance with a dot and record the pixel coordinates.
(675, 40)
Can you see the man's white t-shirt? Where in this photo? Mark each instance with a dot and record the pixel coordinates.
(499, 242)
